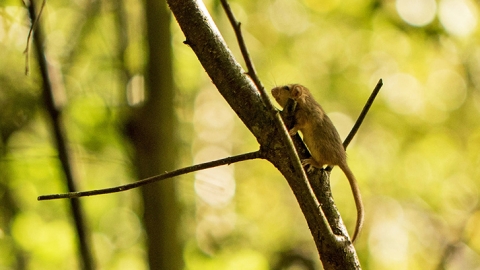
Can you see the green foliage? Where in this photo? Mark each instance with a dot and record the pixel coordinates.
(416, 156)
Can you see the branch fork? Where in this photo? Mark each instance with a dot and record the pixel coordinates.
(312, 192)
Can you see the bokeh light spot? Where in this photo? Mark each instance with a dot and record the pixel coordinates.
(404, 93)
(459, 17)
(416, 12)
(216, 186)
(288, 17)
(446, 89)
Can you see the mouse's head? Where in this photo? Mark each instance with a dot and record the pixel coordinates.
(293, 91)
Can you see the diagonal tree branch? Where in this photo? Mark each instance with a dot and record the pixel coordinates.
(205, 40)
(29, 37)
(264, 122)
(243, 48)
(362, 115)
(285, 137)
(49, 90)
(360, 118)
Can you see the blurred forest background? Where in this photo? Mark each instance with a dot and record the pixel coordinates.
(135, 102)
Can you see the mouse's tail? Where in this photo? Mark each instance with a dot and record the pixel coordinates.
(358, 199)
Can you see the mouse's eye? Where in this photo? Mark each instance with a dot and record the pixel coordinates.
(286, 87)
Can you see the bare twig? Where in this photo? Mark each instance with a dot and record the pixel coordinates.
(156, 178)
(362, 115)
(360, 118)
(243, 48)
(278, 119)
(61, 142)
(30, 32)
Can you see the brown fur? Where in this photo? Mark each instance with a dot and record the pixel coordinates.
(321, 138)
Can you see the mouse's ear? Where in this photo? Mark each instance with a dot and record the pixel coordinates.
(296, 91)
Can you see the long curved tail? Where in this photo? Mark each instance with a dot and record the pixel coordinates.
(358, 199)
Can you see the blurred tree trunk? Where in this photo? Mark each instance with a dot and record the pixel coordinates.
(151, 131)
(8, 210)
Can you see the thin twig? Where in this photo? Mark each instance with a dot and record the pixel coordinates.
(156, 178)
(278, 119)
(30, 32)
(253, 75)
(362, 115)
(243, 48)
(360, 118)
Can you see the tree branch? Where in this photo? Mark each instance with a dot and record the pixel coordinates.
(156, 178)
(205, 40)
(29, 37)
(49, 90)
(243, 48)
(254, 108)
(362, 115)
(285, 136)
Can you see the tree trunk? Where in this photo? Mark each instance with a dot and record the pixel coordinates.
(152, 131)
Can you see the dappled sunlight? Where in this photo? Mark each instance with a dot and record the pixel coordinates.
(446, 89)
(213, 125)
(322, 6)
(417, 12)
(215, 186)
(378, 64)
(288, 17)
(12, 27)
(136, 90)
(125, 234)
(416, 155)
(212, 119)
(459, 204)
(459, 17)
(388, 241)
(404, 94)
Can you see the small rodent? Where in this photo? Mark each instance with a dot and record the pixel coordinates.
(321, 138)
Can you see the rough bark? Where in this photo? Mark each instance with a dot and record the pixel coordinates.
(240, 93)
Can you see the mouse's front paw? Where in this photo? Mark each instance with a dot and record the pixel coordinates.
(311, 163)
(308, 163)
(293, 131)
